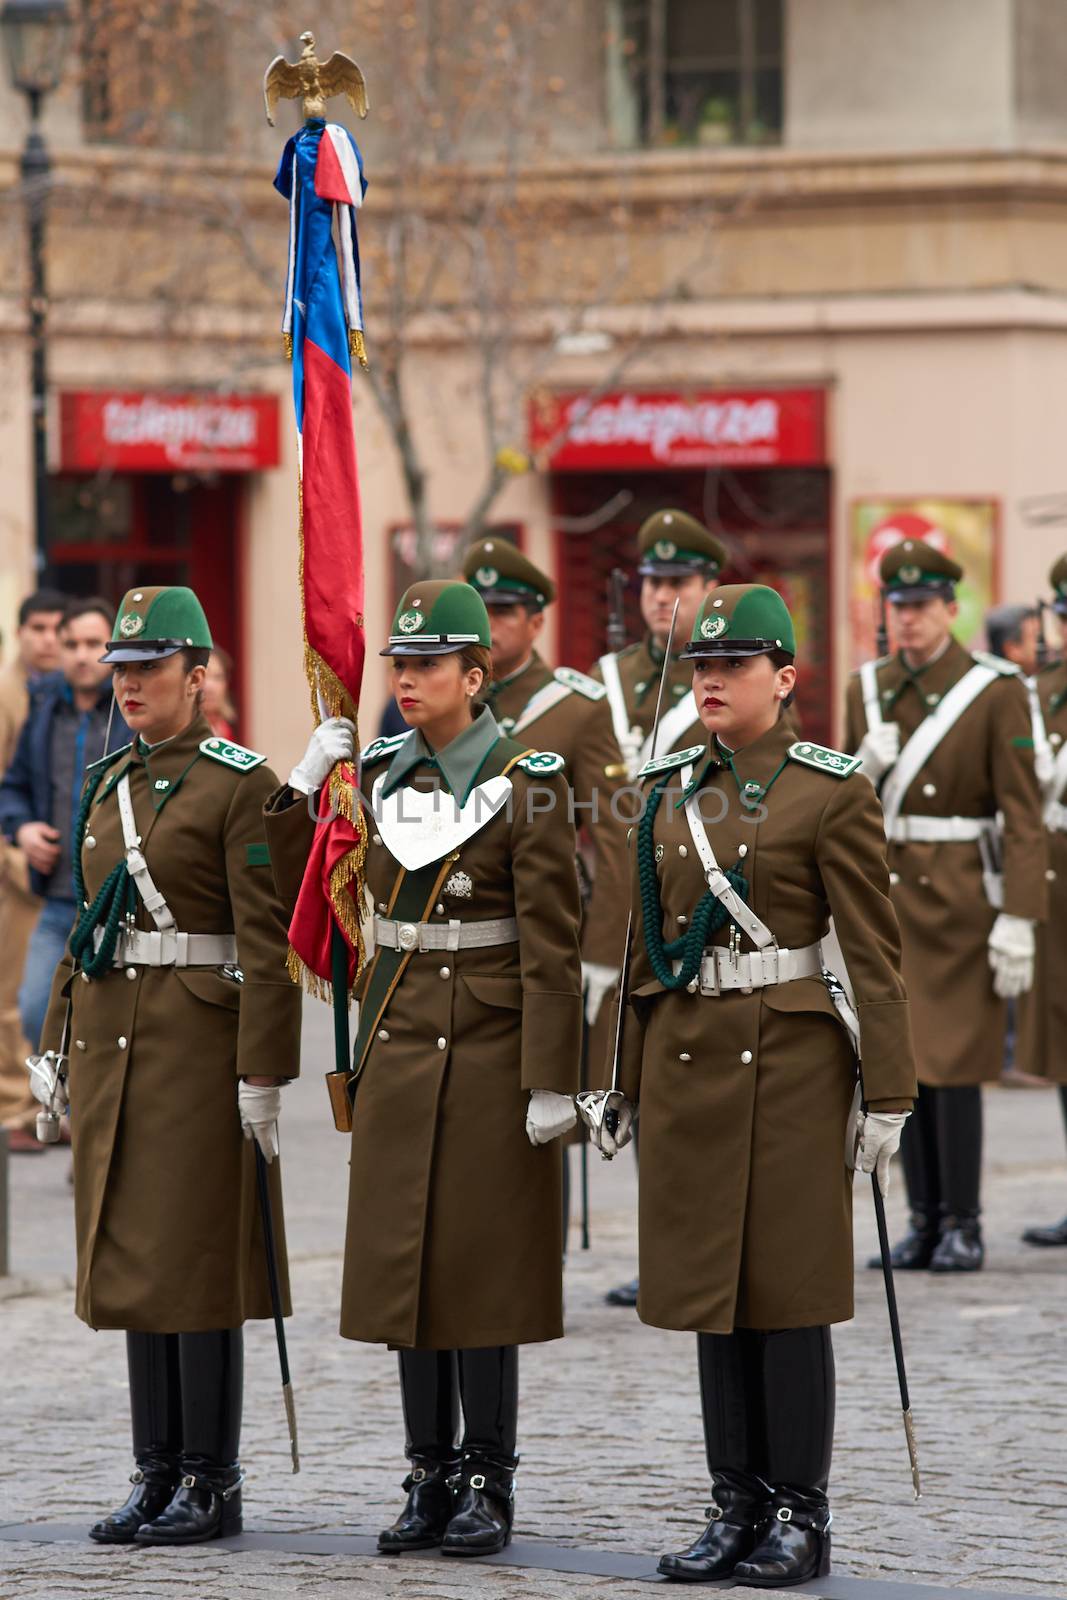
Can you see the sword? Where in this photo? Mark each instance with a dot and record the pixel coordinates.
(267, 1217)
(894, 1327)
(599, 1107)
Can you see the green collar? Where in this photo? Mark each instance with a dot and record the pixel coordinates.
(459, 763)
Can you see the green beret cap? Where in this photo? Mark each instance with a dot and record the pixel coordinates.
(503, 576)
(436, 618)
(154, 622)
(742, 619)
(674, 544)
(915, 570)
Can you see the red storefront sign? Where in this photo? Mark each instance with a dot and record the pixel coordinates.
(162, 432)
(634, 429)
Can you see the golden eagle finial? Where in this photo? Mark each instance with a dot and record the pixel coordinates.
(314, 82)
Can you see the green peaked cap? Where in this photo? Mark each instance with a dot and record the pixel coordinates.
(503, 576)
(742, 619)
(156, 621)
(436, 617)
(917, 570)
(674, 544)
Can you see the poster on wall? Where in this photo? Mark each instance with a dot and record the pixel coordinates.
(966, 530)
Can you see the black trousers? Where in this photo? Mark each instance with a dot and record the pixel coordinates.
(768, 1401)
(186, 1392)
(435, 1385)
(941, 1152)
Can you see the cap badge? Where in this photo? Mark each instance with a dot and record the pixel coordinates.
(131, 625)
(910, 574)
(411, 622)
(713, 627)
(487, 577)
(666, 549)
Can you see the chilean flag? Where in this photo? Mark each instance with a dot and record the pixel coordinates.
(321, 175)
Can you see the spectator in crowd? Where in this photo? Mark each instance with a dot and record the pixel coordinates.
(1012, 632)
(36, 653)
(216, 704)
(67, 729)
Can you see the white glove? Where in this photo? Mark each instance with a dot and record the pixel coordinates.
(333, 740)
(548, 1115)
(260, 1106)
(1011, 955)
(596, 1106)
(879, 1134)
(597, 982)
(47, 1085)
(879, 749)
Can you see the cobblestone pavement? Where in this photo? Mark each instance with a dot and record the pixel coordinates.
(609, 1430)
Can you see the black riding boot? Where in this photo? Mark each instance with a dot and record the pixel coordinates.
(798, 1396)
(922, 1177)
(485, 1482)
(959, 1138)
(1052, 1235)
(207, 1502)
(429, 1391)
(731, 1399)
(155, 1413)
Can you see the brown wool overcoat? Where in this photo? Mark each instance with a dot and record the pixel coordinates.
(454, 1218)
(166, 1218)
(745, 1203)
(1041, 1015)
(983, 766)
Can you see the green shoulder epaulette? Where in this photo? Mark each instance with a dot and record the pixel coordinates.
(540, 762)
(1007, 669)
(105, 761)
(580, 683)
(378, 748)
(835, 763)
(230, 754)
(677, 758)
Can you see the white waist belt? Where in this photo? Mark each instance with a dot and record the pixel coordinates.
(940, 830)
(756, 969)
(169, 948)
(454, 935)
(1056, 817)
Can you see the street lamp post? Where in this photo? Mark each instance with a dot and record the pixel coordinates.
(36, 35)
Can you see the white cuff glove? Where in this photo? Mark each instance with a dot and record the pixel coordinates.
(548, 1115)
(47, 1083)
(260, 1106)
(879, 750)
(879, 1134)
(598, 981)
(1011, 955)
(597, 1107)
(333, 740)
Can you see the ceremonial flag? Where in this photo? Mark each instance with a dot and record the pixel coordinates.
(321, 175)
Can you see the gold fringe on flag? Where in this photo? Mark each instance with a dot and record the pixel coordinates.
(348, 886)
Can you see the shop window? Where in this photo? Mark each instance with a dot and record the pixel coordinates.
(695, 72)
(161, 85)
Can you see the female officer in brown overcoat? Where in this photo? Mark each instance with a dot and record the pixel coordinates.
(182, 1020)
(466, 1059)
(744, 1075)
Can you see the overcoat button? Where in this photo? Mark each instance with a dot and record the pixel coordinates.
(382, 907)
(1050, 874)
(894, 877)
(446, 972)
(746, 1057)
(693, 986)
(383, 1033)
(442, 1044)
(122, 1041)
(377, 839)
(742, 850)
(80, 1043)
(682, 851)
(685, 1056)
(924, 880)
(85, 977)
(929, 790)
(131, 972)
(682, 921)
(439, 908)
(746, 991)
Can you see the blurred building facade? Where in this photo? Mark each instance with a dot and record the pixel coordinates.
(872, 322)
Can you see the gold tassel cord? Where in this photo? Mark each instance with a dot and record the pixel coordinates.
(357, 348)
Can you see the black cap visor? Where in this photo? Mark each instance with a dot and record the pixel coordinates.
(446, 644)
(696, 648)
(650, 568)
(910, 594)
(499, 596)
(125, 650)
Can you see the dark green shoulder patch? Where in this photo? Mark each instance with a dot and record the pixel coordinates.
(540, 762)
(378, 749)
(580, 682)
(835, 763)
(230, 754)
(677, 758)
(257, 855)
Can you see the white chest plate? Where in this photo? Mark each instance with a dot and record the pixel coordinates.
(423, 826)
